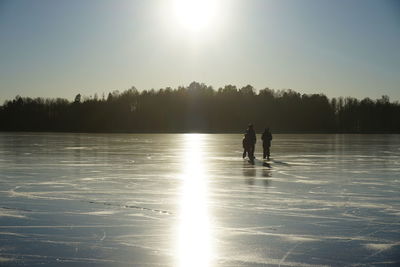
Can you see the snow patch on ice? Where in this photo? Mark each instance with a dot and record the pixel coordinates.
(380, 247)
(97, 213)
(12, 234)
(4, 259)
(11, 213)
(297, 238)
(250, 259)
(311, 181)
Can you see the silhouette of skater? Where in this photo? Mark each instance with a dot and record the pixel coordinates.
(267, 138)
(246, 145)
(251, 141)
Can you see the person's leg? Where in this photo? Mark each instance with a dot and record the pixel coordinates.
(268, 152)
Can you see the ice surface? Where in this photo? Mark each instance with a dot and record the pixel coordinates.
(191, 200)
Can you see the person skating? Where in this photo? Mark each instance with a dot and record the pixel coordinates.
(246, 145)
(266, 138)
(252, 141)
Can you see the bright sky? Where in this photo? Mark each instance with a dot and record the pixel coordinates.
(61, 48)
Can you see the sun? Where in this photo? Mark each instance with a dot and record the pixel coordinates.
(195, 15)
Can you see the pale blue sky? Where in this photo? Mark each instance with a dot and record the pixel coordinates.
(61, 48)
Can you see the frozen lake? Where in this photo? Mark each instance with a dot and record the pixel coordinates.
(191, 200)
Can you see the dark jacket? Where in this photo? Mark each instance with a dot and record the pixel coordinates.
(246, 141)
(252, 136)
(267, 138)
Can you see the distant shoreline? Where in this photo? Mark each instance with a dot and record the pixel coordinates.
(200, 108)
(198, 132)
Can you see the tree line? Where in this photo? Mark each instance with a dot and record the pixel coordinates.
(200, 108)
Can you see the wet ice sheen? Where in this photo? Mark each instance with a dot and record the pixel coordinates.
(190, 200)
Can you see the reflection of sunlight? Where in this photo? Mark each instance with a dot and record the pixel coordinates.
(194, 243)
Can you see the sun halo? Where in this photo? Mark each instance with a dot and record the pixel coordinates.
(195, 15)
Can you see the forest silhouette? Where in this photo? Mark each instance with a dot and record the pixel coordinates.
(200, 108)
